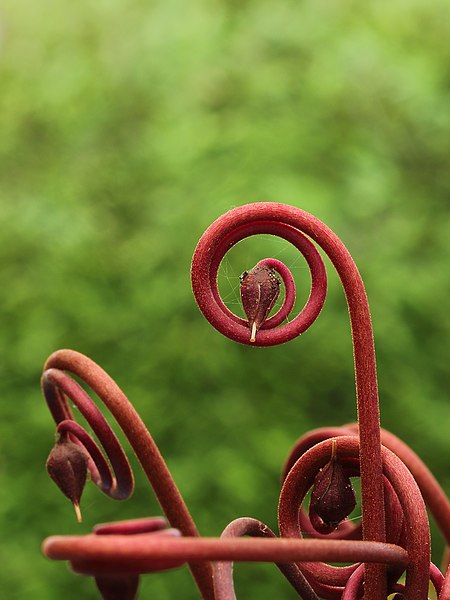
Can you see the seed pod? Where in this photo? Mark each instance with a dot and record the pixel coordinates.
(67, 466)
(260, 288)
(332, 498)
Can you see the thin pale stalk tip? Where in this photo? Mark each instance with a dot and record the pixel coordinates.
(78, 512)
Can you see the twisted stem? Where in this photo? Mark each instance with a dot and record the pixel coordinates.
(137, 434)
(291, 223)
(223, 571)
(417, 538)
(325, 458)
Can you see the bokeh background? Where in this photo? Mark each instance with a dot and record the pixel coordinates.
(126, 127)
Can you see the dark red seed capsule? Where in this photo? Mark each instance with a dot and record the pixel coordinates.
(260, 288)
(332, 498)
(67, 466)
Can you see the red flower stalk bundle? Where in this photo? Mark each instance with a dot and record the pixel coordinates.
(388, 551)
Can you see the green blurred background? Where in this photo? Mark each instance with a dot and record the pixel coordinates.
(126, 127)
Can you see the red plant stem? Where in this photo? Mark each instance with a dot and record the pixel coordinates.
(445, 590)
(57, 385)
(310, 439)
(210, 250)
(223, 571)
(289, 294)
(143, 445)
(433, 494)
(353, 589)
(414, 512)
(148, 548)
(271, 217)
(354, 584)
(131, 526)
(445, 561)
(436, 578)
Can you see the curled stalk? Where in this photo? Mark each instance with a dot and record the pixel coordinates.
(299, 228)
(393, 535)
(58, 386)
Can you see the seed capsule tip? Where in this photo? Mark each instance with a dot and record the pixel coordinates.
(78, 512)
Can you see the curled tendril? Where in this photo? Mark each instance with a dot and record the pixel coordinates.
(416, 539)
(58, 386)
(433, 495)
(220, 237)
(393, 535)
(223, 575)
(294, 225)
(117, 576)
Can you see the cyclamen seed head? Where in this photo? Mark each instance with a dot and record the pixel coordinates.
(333, 497)
(260, 288)
(67, 465)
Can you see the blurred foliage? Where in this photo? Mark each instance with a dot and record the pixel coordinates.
(126, 127)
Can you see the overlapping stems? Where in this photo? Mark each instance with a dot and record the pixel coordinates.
(394, 525)
(434, 496)
(432, 493)
(329, 581)
(320, 550)
(58, 386)
(292, 223)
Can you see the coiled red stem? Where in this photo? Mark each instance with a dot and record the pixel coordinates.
(292, 224)
(57, 385)
(394, 482)
(417, 541)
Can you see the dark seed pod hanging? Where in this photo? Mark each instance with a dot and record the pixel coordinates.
(260, 288)
(332, 498)
(67, 465)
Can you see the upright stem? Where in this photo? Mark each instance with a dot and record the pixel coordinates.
(269, 217)
(366, 389)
